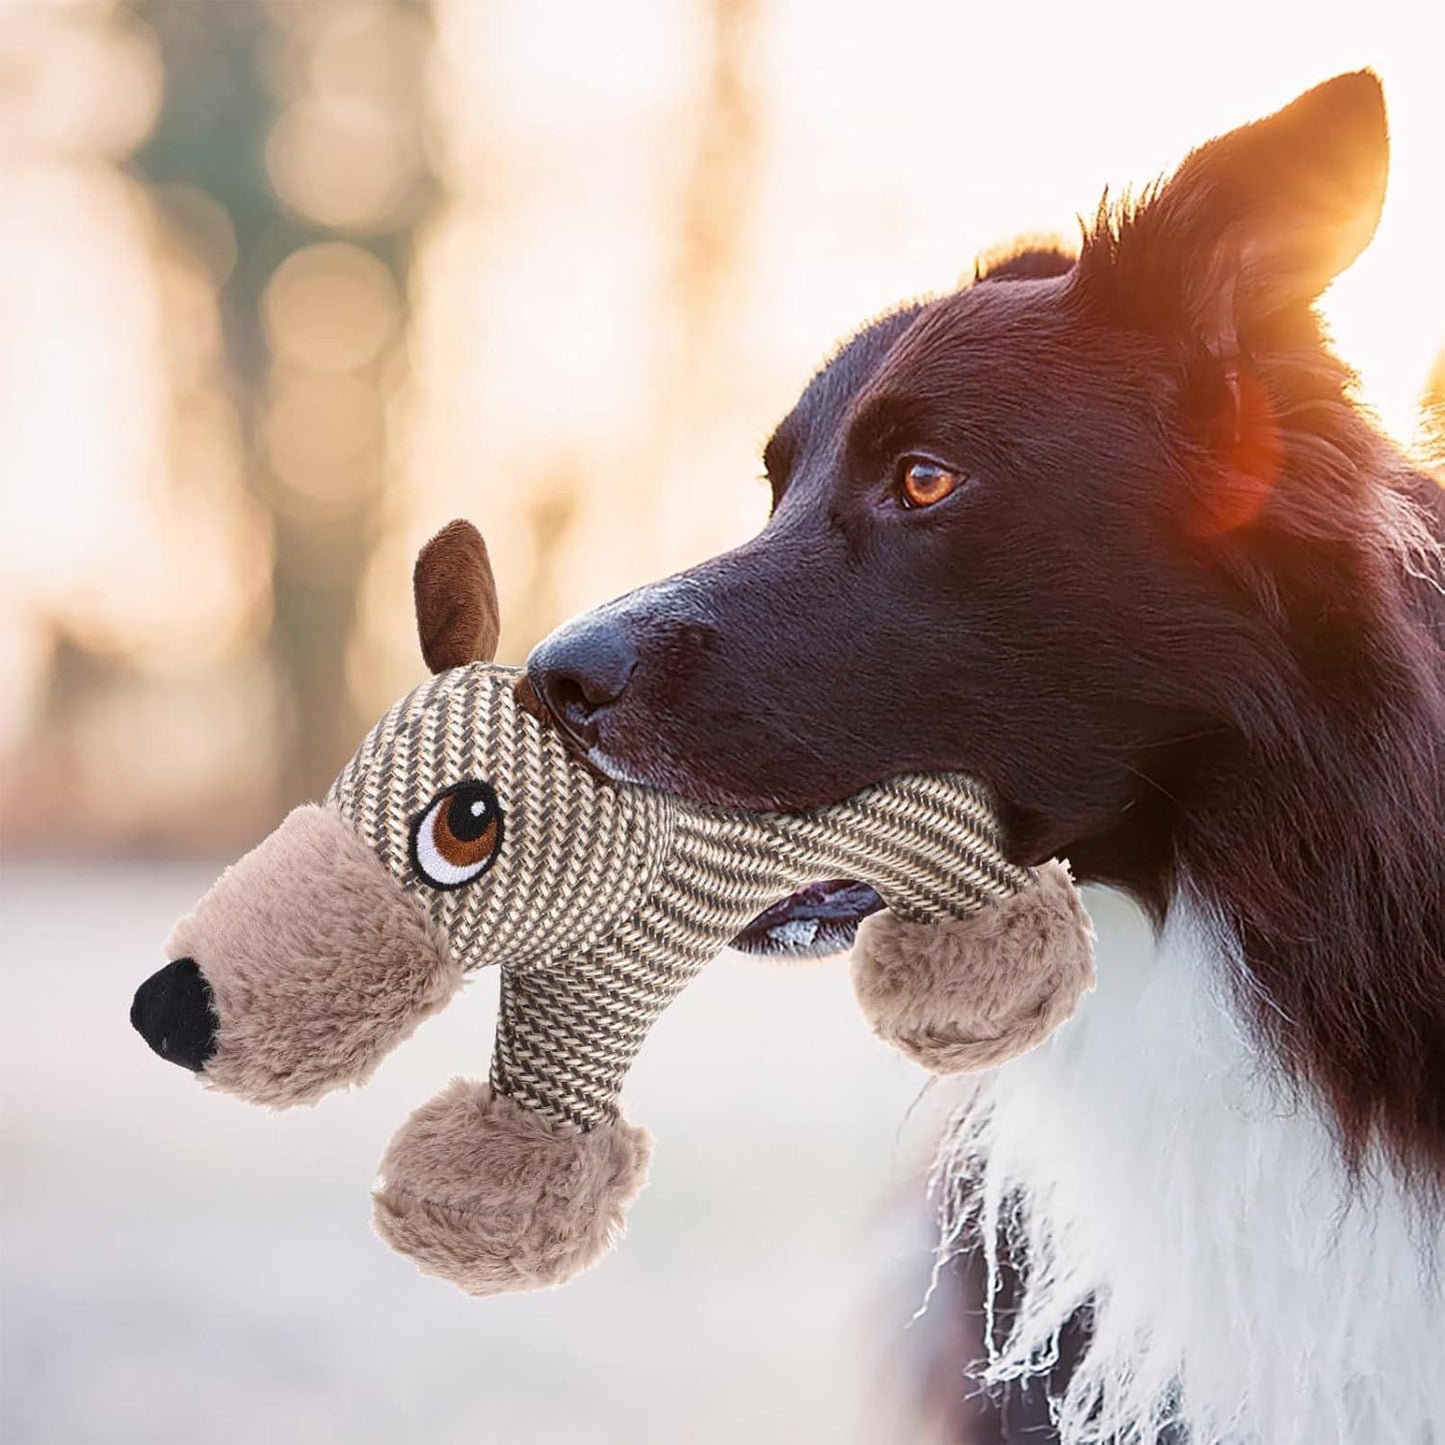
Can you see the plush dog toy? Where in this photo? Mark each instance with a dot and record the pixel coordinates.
(465, 832)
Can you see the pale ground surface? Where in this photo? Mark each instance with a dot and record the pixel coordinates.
(178, 1266)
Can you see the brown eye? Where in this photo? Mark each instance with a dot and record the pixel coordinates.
(457, 838)
(922, 483)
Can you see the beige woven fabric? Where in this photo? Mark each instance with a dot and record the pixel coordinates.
(605, 899)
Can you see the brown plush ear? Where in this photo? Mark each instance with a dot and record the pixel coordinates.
(457, 617)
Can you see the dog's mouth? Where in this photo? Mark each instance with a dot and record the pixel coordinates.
(815, 921)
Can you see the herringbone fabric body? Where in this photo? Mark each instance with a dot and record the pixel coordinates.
(606, 899)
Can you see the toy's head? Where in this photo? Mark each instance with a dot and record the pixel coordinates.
(466, 831)
(325, 946)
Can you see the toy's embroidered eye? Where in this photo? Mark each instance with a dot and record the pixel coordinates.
(458, 837)
(922, 482)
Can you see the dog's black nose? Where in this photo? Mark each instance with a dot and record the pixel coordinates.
(172, 1012)
(580, 670)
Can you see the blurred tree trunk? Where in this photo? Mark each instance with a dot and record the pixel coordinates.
(719, 192)
(225, 74)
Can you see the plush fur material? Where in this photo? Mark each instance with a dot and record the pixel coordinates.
(494, 1197)
(318, 963)
(1152, 1169)
(457, 616)
(972, 993)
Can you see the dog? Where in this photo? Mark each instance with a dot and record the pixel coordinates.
(1112, 533)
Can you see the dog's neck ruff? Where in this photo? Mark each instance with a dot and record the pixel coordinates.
(607, 898)
(1151, 1165)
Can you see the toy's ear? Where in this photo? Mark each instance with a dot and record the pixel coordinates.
(457, 617)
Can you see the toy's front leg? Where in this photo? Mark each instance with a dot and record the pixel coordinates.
(494, 1196)
(524, 1181)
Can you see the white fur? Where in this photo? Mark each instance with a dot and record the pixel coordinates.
(1148, 1158)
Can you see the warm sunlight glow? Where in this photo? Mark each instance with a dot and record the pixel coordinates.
(548, 350)
(556, 267)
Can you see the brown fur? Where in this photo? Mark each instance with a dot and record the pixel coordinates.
(1185, 622)
(973, 993)
(487, 1194)
(317, 962)
(457, 616)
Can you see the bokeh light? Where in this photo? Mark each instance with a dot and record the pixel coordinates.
(330, 307)
(553, 267)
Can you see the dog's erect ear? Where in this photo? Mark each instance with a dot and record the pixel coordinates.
(1260, 219)
(457, 617)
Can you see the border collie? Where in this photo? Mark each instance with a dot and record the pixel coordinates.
(1112, 533)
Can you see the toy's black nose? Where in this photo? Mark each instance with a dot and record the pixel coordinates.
(172, 1012)
(581, 670)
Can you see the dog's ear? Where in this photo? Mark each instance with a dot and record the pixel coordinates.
(457, 617)
(1024, 261)
(1257, 221)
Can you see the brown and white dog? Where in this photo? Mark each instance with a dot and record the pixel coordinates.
(1112, 533)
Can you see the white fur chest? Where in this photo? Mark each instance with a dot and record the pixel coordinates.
(1151, 1161)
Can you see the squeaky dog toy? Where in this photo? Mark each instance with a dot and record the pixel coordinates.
(465, 832)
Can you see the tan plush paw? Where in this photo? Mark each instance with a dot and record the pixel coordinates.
(971, 993)
(494, 1197)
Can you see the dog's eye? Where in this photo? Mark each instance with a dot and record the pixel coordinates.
(921, 482)
(458, 837)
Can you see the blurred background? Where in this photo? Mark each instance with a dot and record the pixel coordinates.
(285, 285)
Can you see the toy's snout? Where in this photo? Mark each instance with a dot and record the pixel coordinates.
(305, 964)
(172, 1012)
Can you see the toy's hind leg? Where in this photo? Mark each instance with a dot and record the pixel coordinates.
(971, 993)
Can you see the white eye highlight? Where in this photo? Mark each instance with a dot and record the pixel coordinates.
(458, 837)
